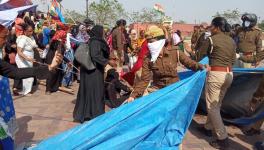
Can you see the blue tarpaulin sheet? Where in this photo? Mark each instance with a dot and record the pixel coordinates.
(156, 121)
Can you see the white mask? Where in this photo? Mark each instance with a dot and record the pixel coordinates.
(207, 34)
(155, 49)
(247, 24)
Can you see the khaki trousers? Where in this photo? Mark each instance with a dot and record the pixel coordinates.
(215, 89)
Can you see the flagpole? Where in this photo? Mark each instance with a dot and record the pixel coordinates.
(68, 14)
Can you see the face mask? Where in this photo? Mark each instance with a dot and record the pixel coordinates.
(155, 49)
(207, 34)
(247, 24)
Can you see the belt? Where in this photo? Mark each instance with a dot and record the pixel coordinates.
(221, 69)
(247, 54)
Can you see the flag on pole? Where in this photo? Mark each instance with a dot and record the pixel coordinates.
(55, 11)
(159, 8)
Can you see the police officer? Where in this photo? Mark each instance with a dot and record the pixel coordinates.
(249, 42)
(161, 64)
(221, 52)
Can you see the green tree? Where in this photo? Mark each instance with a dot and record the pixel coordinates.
(261, 25)
(232, 16)
(147, 15)
(71, 15)
(181, 22)
(106, 12)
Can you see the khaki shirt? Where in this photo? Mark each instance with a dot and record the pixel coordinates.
(250, 41)
(224, 51)
(257, 56)
(201, 47)
(163, 71)
(118, 40)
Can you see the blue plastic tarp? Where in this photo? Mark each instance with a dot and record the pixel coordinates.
(157, 121)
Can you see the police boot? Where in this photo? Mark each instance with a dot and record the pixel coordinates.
(220, 144)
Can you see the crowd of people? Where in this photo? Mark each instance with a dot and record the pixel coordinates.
(125, 64)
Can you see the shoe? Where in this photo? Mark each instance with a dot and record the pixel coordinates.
(220, 144)
(204, 131)
(251, 132)
(48, 93)
(15, 92)
(259, 146)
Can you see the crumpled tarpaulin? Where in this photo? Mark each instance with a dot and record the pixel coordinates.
(7, 17)
(157, 121)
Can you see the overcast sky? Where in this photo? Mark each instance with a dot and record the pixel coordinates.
(187, 10)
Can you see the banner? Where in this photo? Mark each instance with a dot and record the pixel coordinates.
(10, 4)
(7, 17)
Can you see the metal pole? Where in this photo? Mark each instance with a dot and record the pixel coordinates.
(87, 8)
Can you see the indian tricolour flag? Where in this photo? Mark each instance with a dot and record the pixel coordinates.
(159, 8)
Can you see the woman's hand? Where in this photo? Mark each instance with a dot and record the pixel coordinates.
(130, 99)
(207, 67)
(112, 63)
(31, 59)
(56, 61)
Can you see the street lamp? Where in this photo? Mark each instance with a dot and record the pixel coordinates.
(87, 7)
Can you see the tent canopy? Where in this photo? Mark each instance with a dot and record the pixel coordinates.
(7, 17)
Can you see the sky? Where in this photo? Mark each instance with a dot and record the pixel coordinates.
(190, 11)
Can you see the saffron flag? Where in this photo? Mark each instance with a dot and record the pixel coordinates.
(55, 11)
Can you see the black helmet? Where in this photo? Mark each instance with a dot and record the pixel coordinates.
(252, 18)
(121, 22)
(88, 22)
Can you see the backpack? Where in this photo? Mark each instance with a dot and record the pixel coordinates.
(82, 55)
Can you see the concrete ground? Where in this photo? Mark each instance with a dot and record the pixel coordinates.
(41, 116)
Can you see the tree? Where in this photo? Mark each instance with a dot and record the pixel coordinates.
(147, 15)
(181, 22)
(106, 12)
(72, 14)
(232, 16)
(261, 25)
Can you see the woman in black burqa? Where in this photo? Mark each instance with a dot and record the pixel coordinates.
(90, 99)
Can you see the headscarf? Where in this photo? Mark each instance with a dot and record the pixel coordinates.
(82, 35)
(60, 35)
(112, 74)
(18, 27)
(97, 32)
(46, 36)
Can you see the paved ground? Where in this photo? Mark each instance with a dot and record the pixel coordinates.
(41, 116)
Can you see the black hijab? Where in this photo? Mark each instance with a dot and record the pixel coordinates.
(111, 75)
(97, 33)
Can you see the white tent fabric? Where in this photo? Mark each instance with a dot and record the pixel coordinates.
(3, 1)
(7, 17)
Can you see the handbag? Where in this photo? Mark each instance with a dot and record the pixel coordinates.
(82, 55)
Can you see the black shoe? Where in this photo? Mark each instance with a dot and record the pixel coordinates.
(220, 144)
(251, 132)
(204, 131)
(259, 145)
